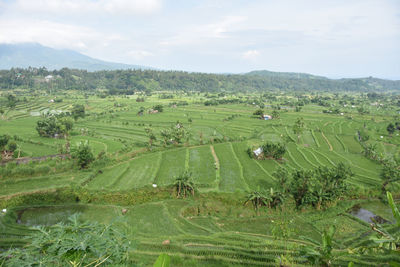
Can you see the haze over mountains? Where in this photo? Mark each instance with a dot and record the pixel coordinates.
(26, 55)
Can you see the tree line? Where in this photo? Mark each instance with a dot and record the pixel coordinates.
(130, 81)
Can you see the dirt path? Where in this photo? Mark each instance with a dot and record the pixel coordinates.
(215, 157)
(327, 141)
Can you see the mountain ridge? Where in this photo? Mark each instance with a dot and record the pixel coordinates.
(24, 55)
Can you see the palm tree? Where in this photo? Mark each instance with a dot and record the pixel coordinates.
(183, 185)
(257, 198)
(275, 198)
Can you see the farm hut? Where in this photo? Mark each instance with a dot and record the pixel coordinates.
(258, 152)
(153, 111)
(266, 117)
(48, 78)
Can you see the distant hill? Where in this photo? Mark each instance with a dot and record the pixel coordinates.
(35, 55)
(296, 80)
(295, 75)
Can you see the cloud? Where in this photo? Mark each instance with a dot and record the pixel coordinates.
(74, 7)
(139, 54)
(56, 35)
(251, 54)
(323, 37)
(203, 33)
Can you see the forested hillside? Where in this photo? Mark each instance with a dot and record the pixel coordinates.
(129, 81)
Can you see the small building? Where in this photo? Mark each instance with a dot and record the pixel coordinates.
(48, 78)
(153, 111)
(258, 152)
(266, 117)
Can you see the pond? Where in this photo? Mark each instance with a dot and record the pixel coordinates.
(50, 215)
(366, 215)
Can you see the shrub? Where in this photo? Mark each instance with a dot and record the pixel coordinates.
(4, 141)
(12, 146)
(274, 150)
(52, 126)
(159, 108)
(258, 112)
(83, 154)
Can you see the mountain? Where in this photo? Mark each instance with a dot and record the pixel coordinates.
(35, 55)
(290, 75)
(314, 81)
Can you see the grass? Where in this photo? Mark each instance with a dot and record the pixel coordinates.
(231, 173)
(213, 228)
(172, 165)
(202, 166)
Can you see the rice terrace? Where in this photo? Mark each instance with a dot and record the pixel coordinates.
(139, 154)
(113, 164)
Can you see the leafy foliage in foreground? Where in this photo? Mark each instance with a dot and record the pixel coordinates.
(72, 244)
(385, 240)
(162, 261)
(320, 252)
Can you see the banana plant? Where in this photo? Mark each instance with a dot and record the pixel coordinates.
(183, 185)
(320, 252)
(385, 240)
(162, 261)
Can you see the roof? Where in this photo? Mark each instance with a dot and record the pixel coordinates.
(258, 151)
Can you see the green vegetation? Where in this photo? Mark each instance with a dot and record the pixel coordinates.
(74, 243)
(83, 154)
(129, 81)
(183, 185)
(54, 127)
(126, 159)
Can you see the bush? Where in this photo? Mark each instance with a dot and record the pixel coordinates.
(83, 154)
(4, 141)
(320, 186)
(211, 103)
(53, 127)
(258, 112)
(159, 108)
(274, 150)
(12, 146)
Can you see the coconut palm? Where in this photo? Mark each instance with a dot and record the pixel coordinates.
(183, 185)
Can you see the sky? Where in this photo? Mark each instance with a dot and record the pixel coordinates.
(333, 38)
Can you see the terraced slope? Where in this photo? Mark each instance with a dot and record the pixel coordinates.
(200, 240)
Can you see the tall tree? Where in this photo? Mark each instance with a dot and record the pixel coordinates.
(298, 128)
(390, 129)
(78, 111)
(152, 137)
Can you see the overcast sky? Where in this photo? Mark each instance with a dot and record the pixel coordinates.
(335, 38)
